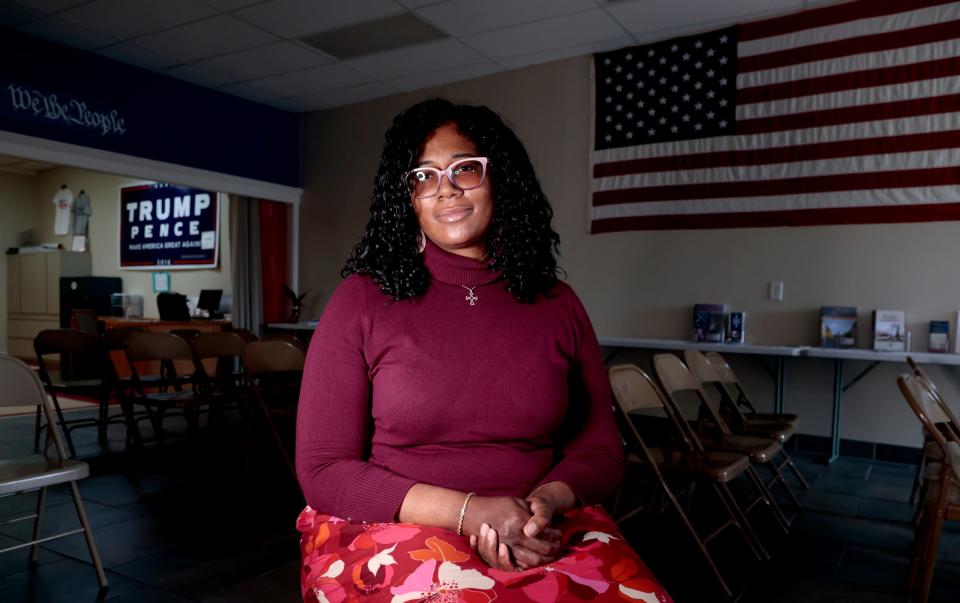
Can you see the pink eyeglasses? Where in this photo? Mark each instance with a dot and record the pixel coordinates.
(465, 174)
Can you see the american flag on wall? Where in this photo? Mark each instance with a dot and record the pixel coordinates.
(844, 114)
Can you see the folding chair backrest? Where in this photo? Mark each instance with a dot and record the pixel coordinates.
(286, 338)
(65, 341)
(731, 384)
(677, 378)
(272, 357)
(158, 346)
(86, 321)
(218, 344)
(939, 411)
(246, 335)
(634, 390)
(920, 399)
(706, 372)
(22, 387)
(188, 334)
(116, 338)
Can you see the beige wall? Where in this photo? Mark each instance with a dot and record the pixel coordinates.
(104, 192)
(18, 211)
(645, 283)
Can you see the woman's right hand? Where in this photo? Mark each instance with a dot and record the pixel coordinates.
(506, 516)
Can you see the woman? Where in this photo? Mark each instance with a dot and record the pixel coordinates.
(454, 433)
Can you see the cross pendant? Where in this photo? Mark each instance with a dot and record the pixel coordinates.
(471, 297)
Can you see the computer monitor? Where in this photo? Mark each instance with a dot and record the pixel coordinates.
(210, 301)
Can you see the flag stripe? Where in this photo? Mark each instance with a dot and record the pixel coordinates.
(758, 157)
(785, 186)
(861, 198)
(937, 32)
(828, 15)
(850, 98)
(812, 217)
(854, 131)
(850, 81)
(851, 63)
(845, 115)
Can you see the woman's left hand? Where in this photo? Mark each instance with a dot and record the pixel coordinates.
(546, 502)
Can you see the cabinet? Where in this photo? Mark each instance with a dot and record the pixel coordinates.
(33, 294)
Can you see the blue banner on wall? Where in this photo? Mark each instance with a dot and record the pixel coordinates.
(170, 226)
(64, 94)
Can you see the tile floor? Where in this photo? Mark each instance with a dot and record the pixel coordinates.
(187, 522)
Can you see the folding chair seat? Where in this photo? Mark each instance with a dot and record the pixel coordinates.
(19, 475)
(710, 370)
(716, 434)
(681, 455)
(70, 346)
(274, 371)
(169, 391)
(942, 497)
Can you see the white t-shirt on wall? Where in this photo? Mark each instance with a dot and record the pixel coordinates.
(63, 201)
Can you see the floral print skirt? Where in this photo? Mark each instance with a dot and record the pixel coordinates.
(397, 562)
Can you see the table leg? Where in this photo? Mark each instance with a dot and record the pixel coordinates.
(837, 399)
(778, 392)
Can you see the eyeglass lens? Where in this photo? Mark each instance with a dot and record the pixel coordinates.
(465, 175)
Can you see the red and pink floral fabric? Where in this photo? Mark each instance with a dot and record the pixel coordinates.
(397, 562)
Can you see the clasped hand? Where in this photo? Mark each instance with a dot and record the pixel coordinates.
(515, 534)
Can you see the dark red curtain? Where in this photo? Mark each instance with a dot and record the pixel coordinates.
(273, 260)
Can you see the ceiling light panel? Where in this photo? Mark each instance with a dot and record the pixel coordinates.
(461, 17)
(299, 18)
(375, 36)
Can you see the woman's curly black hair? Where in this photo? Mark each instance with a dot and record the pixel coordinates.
(520, 242)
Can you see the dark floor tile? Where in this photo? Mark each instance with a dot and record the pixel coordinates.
(820, 592)
(63, 517)
(123, 542)
(886, 510)
(830, 502)
(64, 581)
(817, 527)
(16, 561)
(280, 586)
(876, 568)
(848, 467)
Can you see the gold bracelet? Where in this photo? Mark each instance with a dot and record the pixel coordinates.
(463, 512)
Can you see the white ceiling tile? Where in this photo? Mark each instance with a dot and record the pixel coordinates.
(130, 53)
(297, 18)
(217, 35)
(418, 3)
(50, 6)
(345, 96)
(427, 80)
(14, 15)
(245, 90)
(657, 15)
(64, 32)
(565, 53)
(124, 19)
(281, 57)
(229, 5)
(200, 76)
(549, 34)
(287, 104)
(414, 60)
(461, 17)
(309, 81)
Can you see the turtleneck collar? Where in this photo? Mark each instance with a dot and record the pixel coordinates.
(456, 269)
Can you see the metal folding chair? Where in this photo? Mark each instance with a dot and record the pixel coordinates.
(19, 475)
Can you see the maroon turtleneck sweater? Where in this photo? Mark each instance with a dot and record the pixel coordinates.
(495, 398)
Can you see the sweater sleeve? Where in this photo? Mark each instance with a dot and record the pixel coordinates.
(334, 416)
(591, 461)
